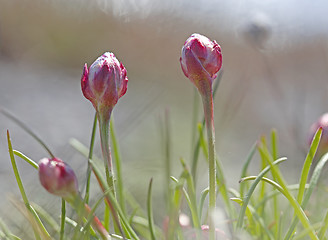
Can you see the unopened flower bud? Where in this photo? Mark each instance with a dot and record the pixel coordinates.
(104, 82)
(58, 178)
(200, 60)
(323, 123)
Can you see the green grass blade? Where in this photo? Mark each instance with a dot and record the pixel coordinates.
(19, 181)
(195, 113)
(80, 147)
(117, 159)
(252, 216)
(33, 218)
(26, 129)
(191, 196)
(92, 212)
(203, 196)
(324, 227)
(222, 188)
(202, 142)
(274, 150)
(150, 211)
(6, 232)
(313, 182)
(166, 136)
(267, 180)
(307, 164)
(16, 172)
(305, 232)
(250, 192)
(173, 225)
(274, 144)
(245, 168)
(293, 202)
(112, 201)
(272, 194)
(45, 216)
(27, 159)
(143, 226)
(314, 179)
(90, 156)
(249, 215)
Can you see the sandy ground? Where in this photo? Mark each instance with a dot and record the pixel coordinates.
(283, 88)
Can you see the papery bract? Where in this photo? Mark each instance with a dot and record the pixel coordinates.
(104, 83)
(58, 178)
(323, 123)
(200, 60)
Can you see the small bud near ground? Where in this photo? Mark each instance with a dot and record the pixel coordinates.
(58, 178)
(104, 83)
(200, 60)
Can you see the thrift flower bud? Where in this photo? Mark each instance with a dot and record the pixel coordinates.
(104, 83)
(58, 178)
(200, 60)
(323, 123)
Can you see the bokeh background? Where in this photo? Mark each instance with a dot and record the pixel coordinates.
(274, 76)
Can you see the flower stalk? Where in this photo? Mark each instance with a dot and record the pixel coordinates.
(208, 112)
(209, 121)
(201, 60)
(105, 147)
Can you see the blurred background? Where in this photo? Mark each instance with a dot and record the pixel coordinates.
(274, 76)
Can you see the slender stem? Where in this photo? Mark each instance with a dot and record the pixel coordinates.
(209, 120)
(104, 137)
(62, 221)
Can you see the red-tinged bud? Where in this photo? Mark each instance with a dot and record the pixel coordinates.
(323, 123)
(104, 83)
(200, 60)
(58, 178)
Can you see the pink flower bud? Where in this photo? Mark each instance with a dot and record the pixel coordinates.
(323, 123)
(104, 82)
(200, 60)
(58, 178)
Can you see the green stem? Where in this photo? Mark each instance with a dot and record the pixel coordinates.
(62, 222)
(209, 120)
(104, 138)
